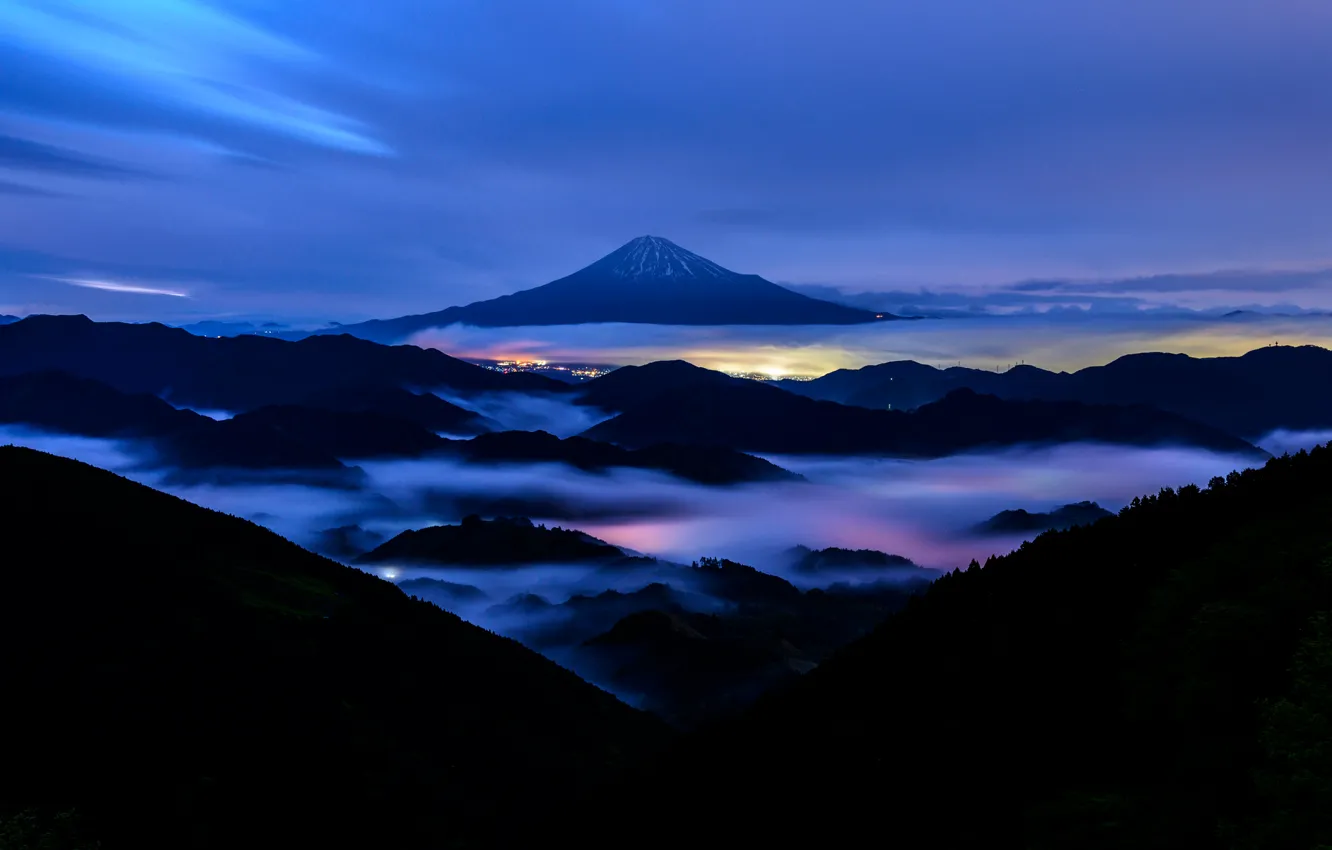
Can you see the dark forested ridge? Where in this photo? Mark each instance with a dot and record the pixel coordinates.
(1250, 395)
(424, 409)
(1152, 679)
(61, 402)
(1155, 680)
(661, 403)
(676, 402)
(835, 560)
(183, 678)
(700, 641)
(502, 541)
(359, 423)
(236, 373)
(344, 433)
(1020, 520)
(702, 464)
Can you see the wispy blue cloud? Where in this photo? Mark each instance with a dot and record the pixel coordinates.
(118, 286)
(1222, 281)
(26, 154)
(182, 55)
(8, 187)
(423, 154)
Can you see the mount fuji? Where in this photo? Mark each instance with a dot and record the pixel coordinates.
(649, 280)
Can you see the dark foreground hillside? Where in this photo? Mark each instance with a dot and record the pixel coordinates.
(183, 678)
(1160, 679)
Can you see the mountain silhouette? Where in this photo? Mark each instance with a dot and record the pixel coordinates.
(236, 373)
(258, 694)
(688, 667)
(345, 434)
(346, 541)
(441, 593)
(1157, 679)
(56, 401)
(862, 561)
(749, 631)
(503, 541)
(1020, 520)
(679, 403)
(1277, 386)
(425, 409)
(649, 280)
(298, 436)
(702, 464)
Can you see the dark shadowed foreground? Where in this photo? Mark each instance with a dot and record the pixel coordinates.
(1157, 680)
(184, 678)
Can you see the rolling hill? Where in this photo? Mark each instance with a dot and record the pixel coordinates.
(676, 402)
(350, 426)
(237, 373)
(500, 542)
(1248, 396)
(1156, 680)
(186, 678)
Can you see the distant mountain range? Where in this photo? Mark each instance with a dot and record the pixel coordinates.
(649, 280)
(338, 396)
(217, 328)
(677, 402)
(236, 373)
(68, 404)
(331, 426)
(1250, 395)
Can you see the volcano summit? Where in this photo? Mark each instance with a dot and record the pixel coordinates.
(649, 280)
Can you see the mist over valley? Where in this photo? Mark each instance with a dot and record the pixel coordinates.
(493, 426)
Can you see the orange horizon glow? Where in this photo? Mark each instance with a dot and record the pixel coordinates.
(976, 343)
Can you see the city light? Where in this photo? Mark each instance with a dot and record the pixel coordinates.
(566, 371)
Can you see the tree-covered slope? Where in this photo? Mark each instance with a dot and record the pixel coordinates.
(1156, 680)
(184, 678)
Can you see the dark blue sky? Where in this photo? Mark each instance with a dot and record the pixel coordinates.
(375, 157)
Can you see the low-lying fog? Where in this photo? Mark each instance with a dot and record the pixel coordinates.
(923, 510)
(514, 411)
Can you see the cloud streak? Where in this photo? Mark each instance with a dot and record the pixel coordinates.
(29, 155)
(185, 56)
(113, 286)
(430, 154)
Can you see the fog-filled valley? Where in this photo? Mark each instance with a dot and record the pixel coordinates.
(697, 548)
(659, 425)
(930, 513)
(920, 509)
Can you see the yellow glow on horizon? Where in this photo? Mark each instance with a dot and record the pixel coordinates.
(811, 351)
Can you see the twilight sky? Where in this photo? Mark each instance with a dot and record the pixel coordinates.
(307, 158)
